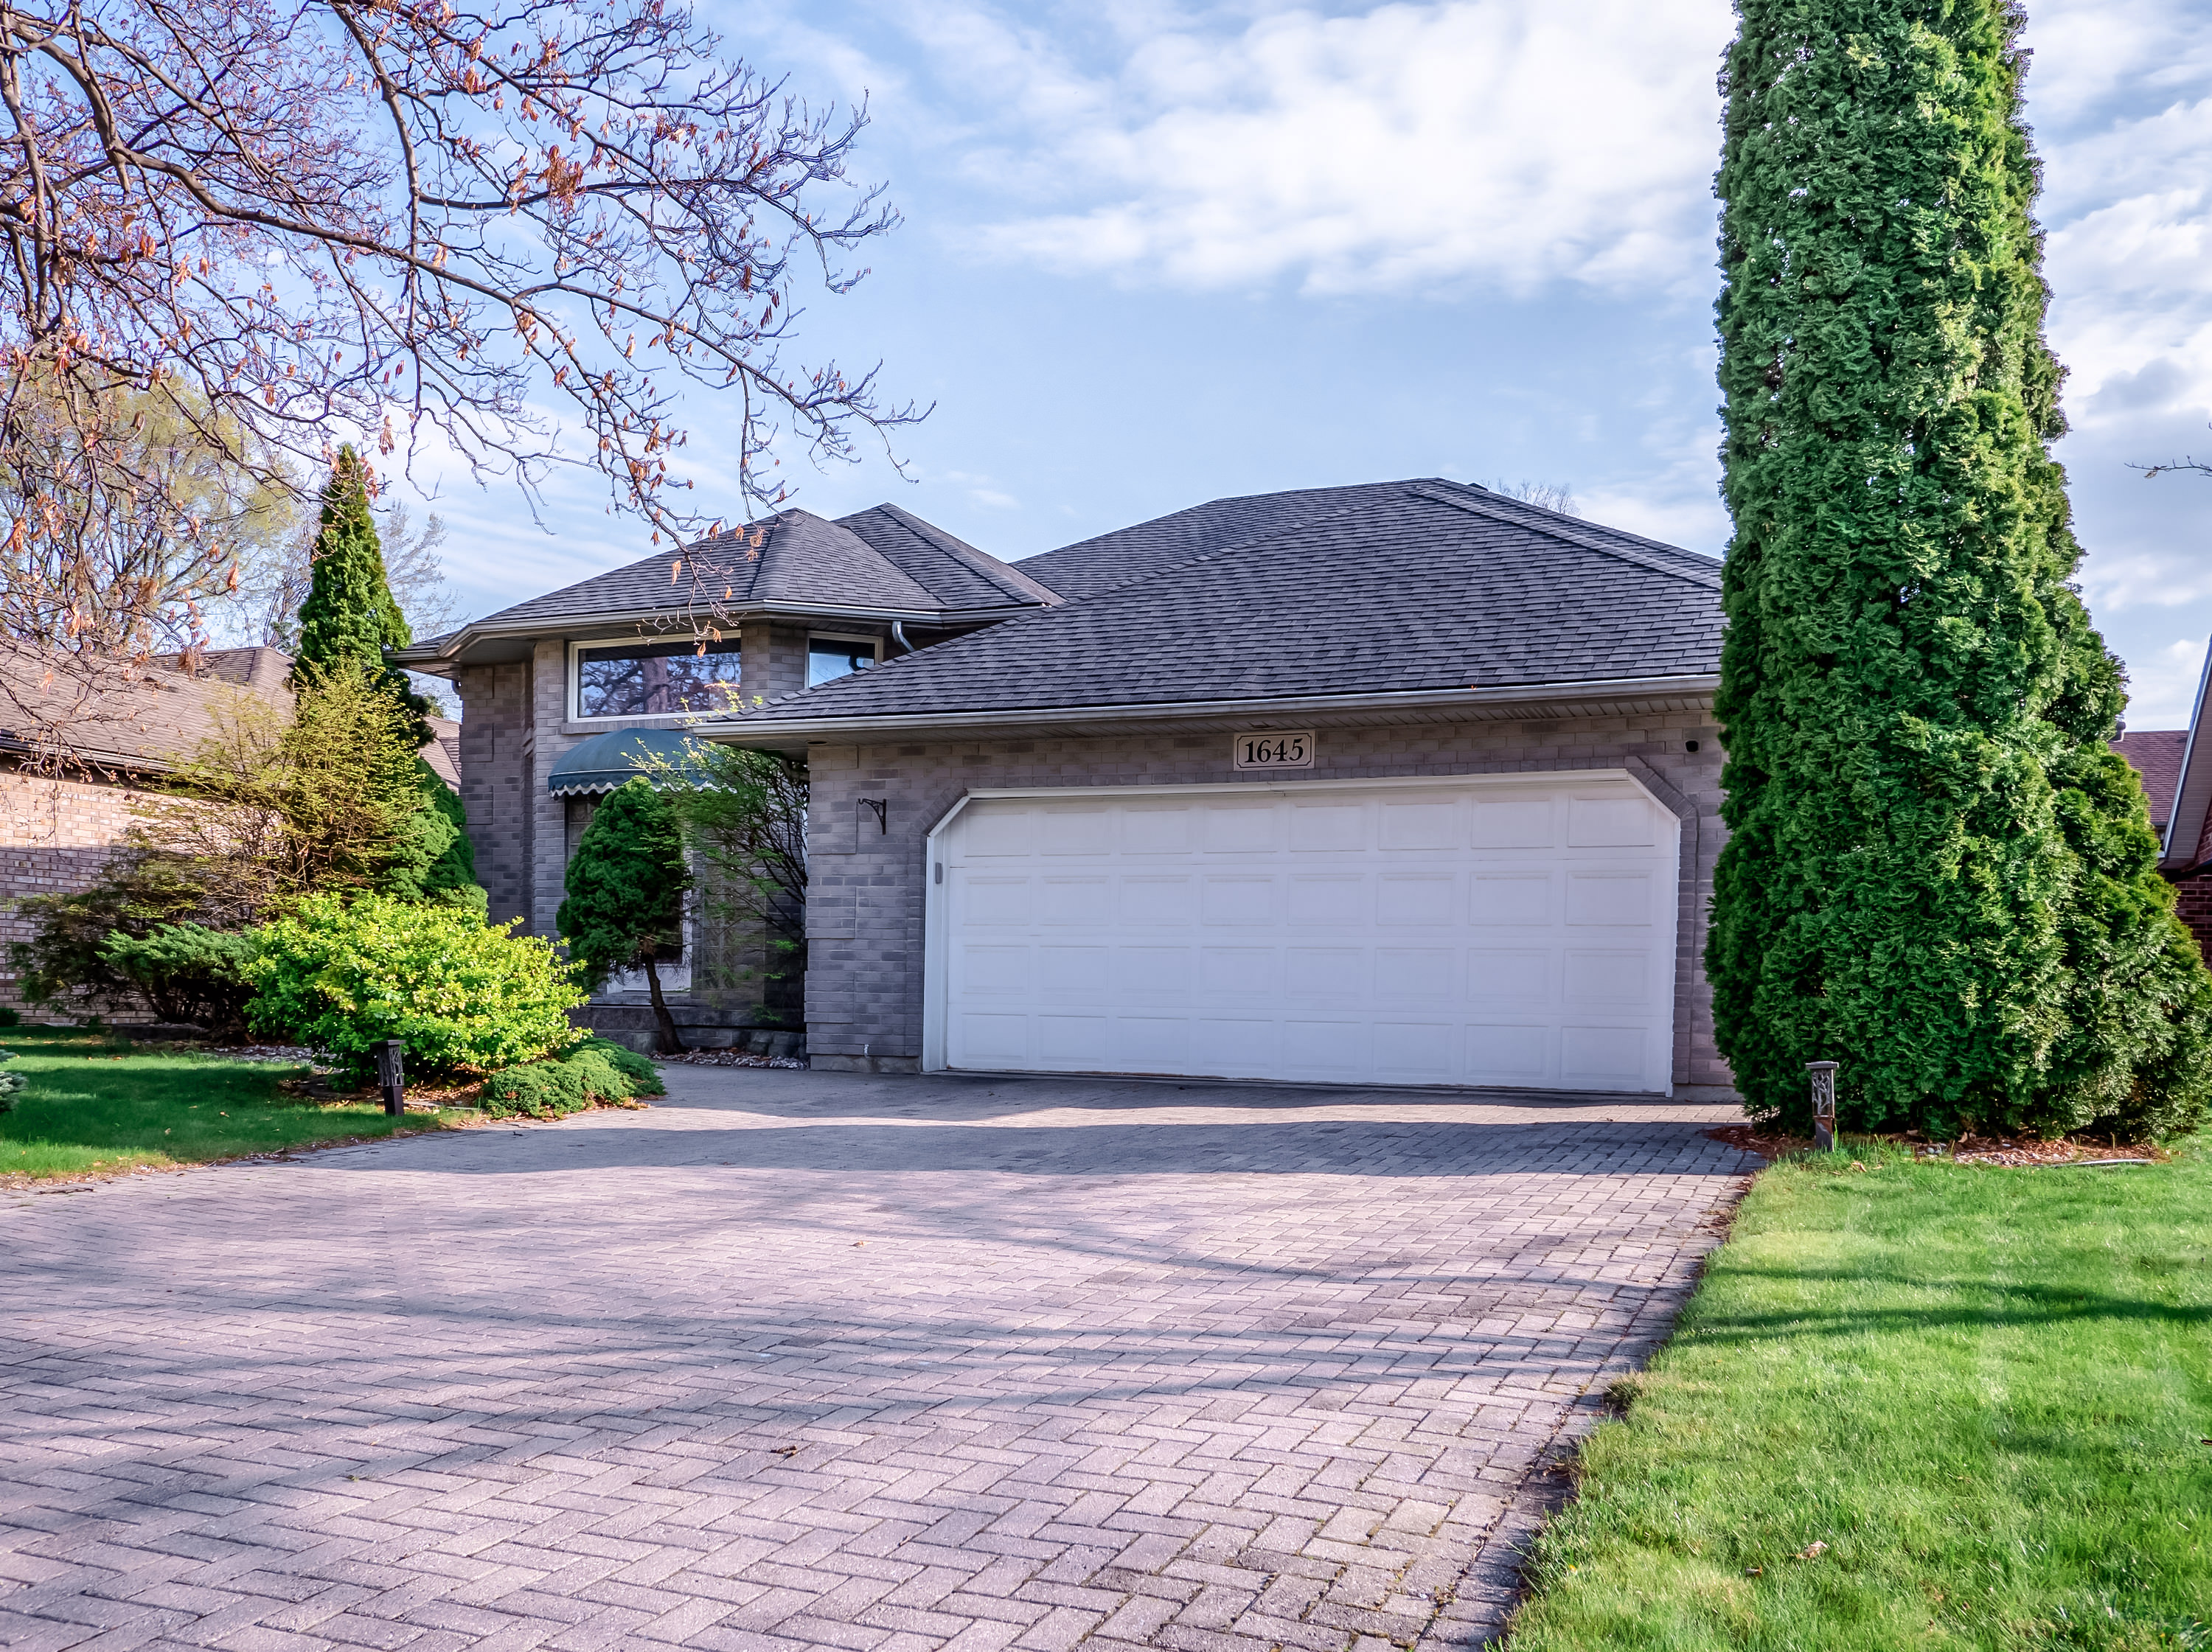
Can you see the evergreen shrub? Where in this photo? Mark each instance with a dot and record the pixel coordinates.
(188, 972)
(461, 995)
(597, 1071)
(1936, 873)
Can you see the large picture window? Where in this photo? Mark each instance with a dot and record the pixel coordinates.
(652, 679)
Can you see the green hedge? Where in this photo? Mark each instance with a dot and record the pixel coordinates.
(597, 1071)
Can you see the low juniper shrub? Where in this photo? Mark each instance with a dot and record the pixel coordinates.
(597, 1071)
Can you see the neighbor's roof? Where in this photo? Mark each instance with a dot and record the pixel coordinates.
(2156, 754)
(1410, 587)
(133, 716)
(883, 561)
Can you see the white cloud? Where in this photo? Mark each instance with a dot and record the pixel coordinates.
(1407, 148)
(2162, 685)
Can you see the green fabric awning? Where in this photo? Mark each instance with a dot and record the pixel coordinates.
(607, 761)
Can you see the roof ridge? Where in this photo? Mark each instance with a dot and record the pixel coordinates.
(958, 550)
(1548, 522)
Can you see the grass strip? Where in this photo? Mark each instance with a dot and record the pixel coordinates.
(1915, 1405)
(97, 1105)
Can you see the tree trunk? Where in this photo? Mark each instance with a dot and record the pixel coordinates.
(671, 1042)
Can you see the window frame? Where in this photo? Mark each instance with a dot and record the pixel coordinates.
(574, 695)
(876, 643)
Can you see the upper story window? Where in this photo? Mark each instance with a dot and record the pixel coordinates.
(651, 679)
(828, 658)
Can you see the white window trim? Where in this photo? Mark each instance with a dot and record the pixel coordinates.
(572, 689)
(813, 637)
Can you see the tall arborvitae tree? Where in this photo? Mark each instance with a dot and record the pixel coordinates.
(1938, 874)
(348, 619)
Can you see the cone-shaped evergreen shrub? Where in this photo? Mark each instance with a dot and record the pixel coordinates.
(1938, 875)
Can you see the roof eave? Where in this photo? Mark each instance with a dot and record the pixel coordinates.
(578, 624)
(795, 732)
(2192, 789)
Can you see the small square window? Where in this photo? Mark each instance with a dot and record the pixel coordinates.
(828, 658)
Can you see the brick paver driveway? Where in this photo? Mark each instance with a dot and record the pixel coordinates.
(806, 1359)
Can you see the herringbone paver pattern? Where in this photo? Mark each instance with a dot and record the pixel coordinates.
(812, 1360)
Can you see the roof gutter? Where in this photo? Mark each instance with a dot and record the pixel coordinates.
(589, 625)
(761, 726)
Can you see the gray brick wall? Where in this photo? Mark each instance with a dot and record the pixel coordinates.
(864, 991)
(494, 778)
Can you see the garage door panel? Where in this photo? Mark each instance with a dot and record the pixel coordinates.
(1326, 1049)
(1327, 901)
(1083, 903)
(1499, 978)
(1161, 901)
(1416, 1052)
(1146, 975)
(1508, 1052)
(1238, 829)
(1615, 899)
(994, 971)
(1085, 832)
(1410, 975)
(1228, 974)
(1512, 900)
(1329, 827)
(1512, 823)
(1157, 829)
(991, 902)
(1082, 974)
(1237, 899)
(1601, 1057)
(1418, 899)
(1609, 980)
(1151, 1043)
(1438, 824)
(1317, 976)
(986, 1040)
(1504, 930)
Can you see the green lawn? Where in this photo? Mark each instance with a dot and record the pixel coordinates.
(97, 1106)
(1988, 1392)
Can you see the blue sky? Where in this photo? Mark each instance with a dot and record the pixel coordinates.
(1158, 252)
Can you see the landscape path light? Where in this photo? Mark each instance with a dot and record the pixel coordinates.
(1824, 1105)
(391, 1077)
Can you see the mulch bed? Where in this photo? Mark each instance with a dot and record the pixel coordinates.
(2012, 1152)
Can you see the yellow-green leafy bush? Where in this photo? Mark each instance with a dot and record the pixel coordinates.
(460, 994)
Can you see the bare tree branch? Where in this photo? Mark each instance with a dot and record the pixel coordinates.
(264, 224)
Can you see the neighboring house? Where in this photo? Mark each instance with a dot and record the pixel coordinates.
(1409, 783)
(560, 693)
(2186, 832)
(93, 743)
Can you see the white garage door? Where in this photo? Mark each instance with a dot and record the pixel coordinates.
(1490, 931)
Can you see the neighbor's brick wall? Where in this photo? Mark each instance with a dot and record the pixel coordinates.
(56, 837)
(866, 889)
(2196, 906)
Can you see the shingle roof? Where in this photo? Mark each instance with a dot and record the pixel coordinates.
(1090, 566)
(1407, 587)
(2156, 754)
(951, 569)
(883, 558)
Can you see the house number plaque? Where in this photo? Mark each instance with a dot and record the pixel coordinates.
(1273, 748)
